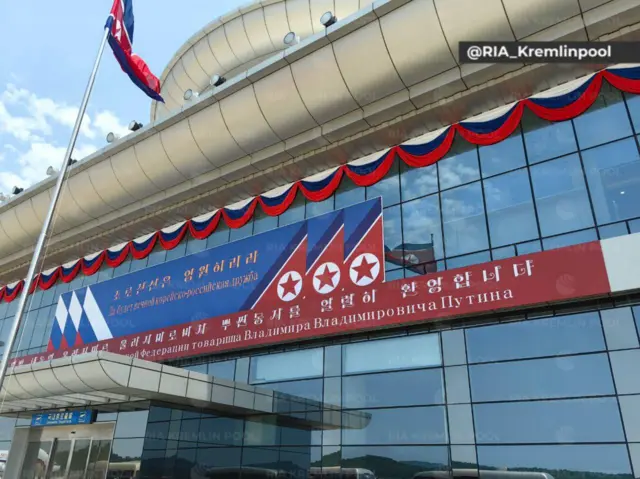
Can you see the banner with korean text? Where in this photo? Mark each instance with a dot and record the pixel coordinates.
(295, 263)
(350, 299)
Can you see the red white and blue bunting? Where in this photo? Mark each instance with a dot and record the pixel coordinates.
(558, 104)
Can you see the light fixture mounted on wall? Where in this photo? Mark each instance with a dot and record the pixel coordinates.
(135, 126)
(190, 95)
(217, 80)
(51, 171)
(111, 137)
(17, 190)
(291, 39)
(328, 19)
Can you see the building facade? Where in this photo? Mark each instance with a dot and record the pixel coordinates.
(542, 382)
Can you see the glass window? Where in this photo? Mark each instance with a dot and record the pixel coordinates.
(405, 388)
(457, 379)
(157, 256)
(502, 156)
(393, 236)
(388, 188)
(221, 430)
(503, 253)
(510, 208)
(453, 347)
(561, 462)
(465, 227)
(119, 270)
(460, 166)
(196, 245)
(529, 247)
(561, 196)
(422, 229)
(633, 102)
(570, 239)
(38, 338)
(219, 458)
(613, 173)
(612, 231)
(394, 353)
(295, 212)
(566, 421)
(242, 232)
(126, 450)
(333, 360)
(391, 462)
(468, 260)
(569, 376)
(263, 222)
(222, 369)
(348, 194)
(292, 391)
(394, 275)
(137, 264)
(606, 120)
(630, 407)
(220, 235)
(545, 140)
(412, 425)
(188, 433)
(460, 424)
(131, 424)
(619, 328)
(417, 182)
(105, 273)
(177, 252)
(578, 333)
(305, 363)
(636, 315)
(48, 295)
(318, 208)
(625, 370)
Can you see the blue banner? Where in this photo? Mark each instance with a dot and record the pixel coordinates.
(215, 282)
(69, 418)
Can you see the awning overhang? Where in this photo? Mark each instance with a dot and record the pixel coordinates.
(103, 379)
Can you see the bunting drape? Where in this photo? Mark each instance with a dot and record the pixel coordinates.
(558, 104)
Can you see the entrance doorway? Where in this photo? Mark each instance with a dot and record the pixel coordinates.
(68, 452)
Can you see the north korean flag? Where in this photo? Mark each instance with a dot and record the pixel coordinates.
(120, 24)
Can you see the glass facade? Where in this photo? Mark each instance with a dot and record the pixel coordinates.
(556, 394)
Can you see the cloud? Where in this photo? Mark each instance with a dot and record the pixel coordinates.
(106, 122)
(31, 166)
(28, 117)
(40, 129)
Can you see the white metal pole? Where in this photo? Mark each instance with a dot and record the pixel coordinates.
(37, 252)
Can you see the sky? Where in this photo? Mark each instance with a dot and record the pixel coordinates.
(47, 50)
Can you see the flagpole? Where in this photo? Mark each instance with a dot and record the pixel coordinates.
(37, 252)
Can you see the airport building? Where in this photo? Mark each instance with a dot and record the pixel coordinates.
(338, 252)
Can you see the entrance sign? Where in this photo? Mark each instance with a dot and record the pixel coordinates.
(297, 312)
(256, 272)
(69, 418)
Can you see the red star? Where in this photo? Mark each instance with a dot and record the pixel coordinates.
(364, 269)
(326, 278)
(289, 286)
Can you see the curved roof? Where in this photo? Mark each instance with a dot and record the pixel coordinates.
(240, 39)
(388, 73)
(102, 378)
